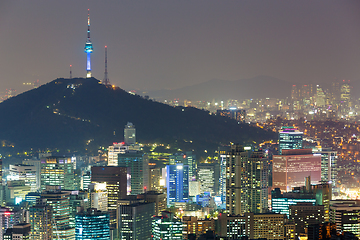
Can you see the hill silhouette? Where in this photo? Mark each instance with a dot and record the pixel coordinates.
(79, 114)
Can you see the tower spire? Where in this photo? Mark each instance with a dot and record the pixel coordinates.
(88, 49)
(70, 71)
(106, 79)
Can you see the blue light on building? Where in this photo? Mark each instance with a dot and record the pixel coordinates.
(92, 224)
(290, 138)
(282, 205)
(177, 182)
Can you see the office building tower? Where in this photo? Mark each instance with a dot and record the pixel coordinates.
(18, 231)
(41, 221)
(197, 227)
(345, 214)
(134, 221)
(37, 164)
(86, 180)
(292, 167)
(129, 134)
(186, 158)
(32, 197)
(57, 171)
(222, 154)
(92, 224)
(234, 113)
(116, 180)
(155, 197)
(15, 191)
(60, 203)
(177, 183)
(167, 227)
(290, 138)
(8, 219)
(208, 175)
(155, 177)
(27, 173)
(138, 166)
(345, 97)
(282, 204)
(253, 226)
(194, 188)
(329, 160)
(114, 151)
(98, 196)
(79, 202)
(305, 214)
(247, 181)
(323, 194)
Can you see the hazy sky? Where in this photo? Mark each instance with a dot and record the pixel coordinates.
(169, 44)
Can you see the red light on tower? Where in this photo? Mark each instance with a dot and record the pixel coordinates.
(184, 156)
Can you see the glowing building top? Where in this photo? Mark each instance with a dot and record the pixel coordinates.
(88, 49)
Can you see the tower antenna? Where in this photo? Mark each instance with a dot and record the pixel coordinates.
(106, 79)
(88, 49)
(70, 71)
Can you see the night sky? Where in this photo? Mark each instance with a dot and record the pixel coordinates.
(170, 44)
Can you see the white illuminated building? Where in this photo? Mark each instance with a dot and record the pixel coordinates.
(98, 196)
(27, 173)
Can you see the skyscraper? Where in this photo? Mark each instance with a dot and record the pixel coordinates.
(24, 172)
(57, 171)
(88, 49)
(41, 220)
(129, 134)
(138, 165)
(167, 227)
(134, 221)
(247, 181)
(177, 183)
(60, 203)
(92, 224)
(116, 186)
(290, 138)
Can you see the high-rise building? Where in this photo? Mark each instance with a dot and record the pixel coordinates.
(154, 179)
(329, 161)
(41, 221)
(305, 214)
(193, 225)
(158, 198)
(27, 173)
(98, 196)
(247, 181)
(129, 134)
(345, 214)
(290, 138)
(186, 158)
(138, 166)
(292, 167)
(167, 227)
(208, 175)
(57, 171)
(92, 224)
(9, 219)
(37, 164)
(116, 180)
(134, 221)
(60, 203)
(254, 226)
(222, 153)
(177, 183)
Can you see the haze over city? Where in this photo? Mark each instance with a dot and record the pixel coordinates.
(165, 44)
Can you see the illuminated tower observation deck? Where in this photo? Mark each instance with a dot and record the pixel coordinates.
(88, 49)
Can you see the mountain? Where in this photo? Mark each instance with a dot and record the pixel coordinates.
(252, 88)
(79, 114)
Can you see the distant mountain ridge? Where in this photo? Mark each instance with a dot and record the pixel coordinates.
(252, 88)
(78, 114)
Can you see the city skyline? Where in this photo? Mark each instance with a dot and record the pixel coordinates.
(170, 45)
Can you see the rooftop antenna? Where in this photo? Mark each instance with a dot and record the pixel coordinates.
(106, 79)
